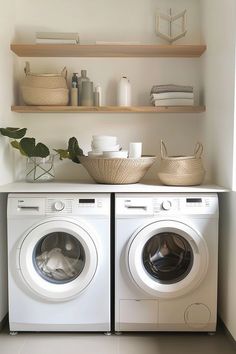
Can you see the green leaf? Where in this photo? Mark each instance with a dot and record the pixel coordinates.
(41, 150)
(16, 145)
(74, 150)
(64, 154)
(28, 145)
(14, 133)
(30, 149)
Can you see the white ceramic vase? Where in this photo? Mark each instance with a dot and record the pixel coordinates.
(124, 92)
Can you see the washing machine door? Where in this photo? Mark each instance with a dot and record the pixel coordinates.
(167, 258)
(58, 259)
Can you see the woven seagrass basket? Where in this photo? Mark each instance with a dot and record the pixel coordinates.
(117, 170)
(37, 96)
(45, 89)
(181, 170)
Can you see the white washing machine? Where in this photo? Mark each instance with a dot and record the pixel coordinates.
(166, 250)
(59, 262)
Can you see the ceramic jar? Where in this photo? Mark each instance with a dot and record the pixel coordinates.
(124, 92)
(80, 81)
(87, 93)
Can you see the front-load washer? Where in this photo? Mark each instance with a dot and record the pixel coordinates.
(166, 248)
(59, 262)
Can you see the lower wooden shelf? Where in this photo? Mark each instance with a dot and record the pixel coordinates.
(108, 109)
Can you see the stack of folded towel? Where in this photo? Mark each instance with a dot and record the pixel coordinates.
(172, 95)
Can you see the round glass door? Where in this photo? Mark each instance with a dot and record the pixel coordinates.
(167, 258)
(58, 259)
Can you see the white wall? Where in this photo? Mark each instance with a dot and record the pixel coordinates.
(6, 99)
(227, 262)
(101, 19)
(111, 20)
(6, 88)
(219, 33)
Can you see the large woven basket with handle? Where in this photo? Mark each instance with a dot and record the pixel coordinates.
(181, 170)
(45, 89)
(117, 170)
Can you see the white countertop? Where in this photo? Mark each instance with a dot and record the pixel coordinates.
(90, 187)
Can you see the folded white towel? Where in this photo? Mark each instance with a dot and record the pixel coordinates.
(171, 88)
(164, 95)
(174, 102)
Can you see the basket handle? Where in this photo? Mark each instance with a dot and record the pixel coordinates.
(27, 68)
(163, 150)
(64, 72)
(198, 150)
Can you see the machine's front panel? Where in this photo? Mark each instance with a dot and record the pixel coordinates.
(166, 262)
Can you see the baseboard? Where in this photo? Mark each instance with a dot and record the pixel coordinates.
(3, 322)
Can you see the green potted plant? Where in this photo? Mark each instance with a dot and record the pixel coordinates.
(39, 166)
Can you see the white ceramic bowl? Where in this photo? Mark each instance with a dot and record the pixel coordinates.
(104, 138)
(95, 154)
(105, 148)
(115, 154)
(103, 142)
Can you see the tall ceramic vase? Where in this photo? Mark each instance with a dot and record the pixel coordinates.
(81, 79)
(124, 92)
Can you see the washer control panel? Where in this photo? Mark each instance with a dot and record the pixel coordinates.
(78, 205)
(166, 204)
(59, 204)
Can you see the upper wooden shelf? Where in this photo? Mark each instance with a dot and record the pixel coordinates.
(107, 50)
(108, 109)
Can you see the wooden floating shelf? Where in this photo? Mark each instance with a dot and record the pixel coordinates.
(107, 50)
(108, 109)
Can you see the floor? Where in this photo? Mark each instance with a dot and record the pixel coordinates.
(74, 343)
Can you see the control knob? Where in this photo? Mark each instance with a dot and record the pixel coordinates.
(166, 205)
(59, 205)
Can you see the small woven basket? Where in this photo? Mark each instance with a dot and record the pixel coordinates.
(45, 89)
(117, 170)
(181, 170)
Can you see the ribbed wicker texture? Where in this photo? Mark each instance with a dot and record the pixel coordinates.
(45, 97)
(48, 81)
(117, 170)
(181, 170)
(45, 89)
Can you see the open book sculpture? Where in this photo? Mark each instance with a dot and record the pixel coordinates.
(169, 20)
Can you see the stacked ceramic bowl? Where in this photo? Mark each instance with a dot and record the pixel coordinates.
(106, 146)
